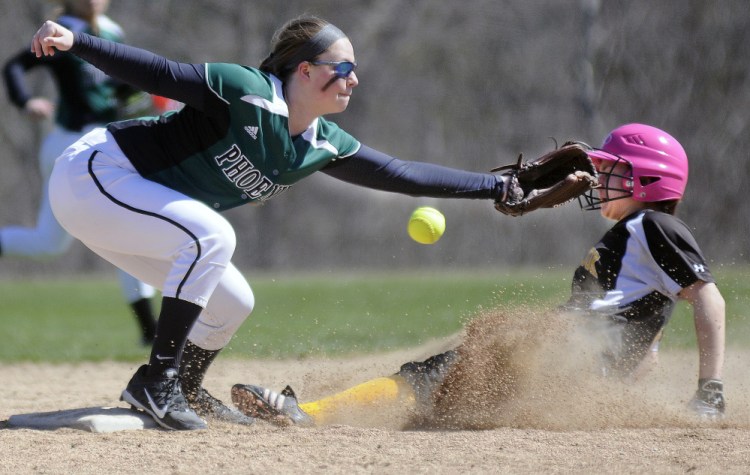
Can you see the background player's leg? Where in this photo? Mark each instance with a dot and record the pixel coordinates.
(46, 238)
(138, 295)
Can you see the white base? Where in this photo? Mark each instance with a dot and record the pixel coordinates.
(92, 419)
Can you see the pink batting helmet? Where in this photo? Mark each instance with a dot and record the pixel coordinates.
(658, 161)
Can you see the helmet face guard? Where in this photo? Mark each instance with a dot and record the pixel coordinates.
(658, 165)
(608, 181)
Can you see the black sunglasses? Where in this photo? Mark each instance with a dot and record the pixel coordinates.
(342, 69)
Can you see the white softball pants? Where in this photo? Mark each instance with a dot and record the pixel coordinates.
(47, 239)
(157, 234)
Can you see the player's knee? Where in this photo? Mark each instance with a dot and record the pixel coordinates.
(238, 310)
(219, 246)
(245, 306)
(214, 331)
(242, 307)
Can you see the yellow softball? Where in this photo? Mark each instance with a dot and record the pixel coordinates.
(426, 225)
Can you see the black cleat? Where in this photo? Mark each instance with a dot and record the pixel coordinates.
(427, 376)
(207, 406)
(161, 397)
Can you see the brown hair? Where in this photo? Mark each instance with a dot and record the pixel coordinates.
(66, 7)
(298, 40)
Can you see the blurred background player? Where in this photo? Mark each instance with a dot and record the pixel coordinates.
(87, 98)
(632, 279)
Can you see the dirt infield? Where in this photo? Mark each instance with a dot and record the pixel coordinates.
(587, 433)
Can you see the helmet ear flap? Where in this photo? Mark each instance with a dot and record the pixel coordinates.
(644, 182)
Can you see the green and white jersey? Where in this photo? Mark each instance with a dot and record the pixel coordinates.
(230, 145)
(235, 153)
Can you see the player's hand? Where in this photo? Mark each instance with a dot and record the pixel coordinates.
(39, 108)
(708, 401)
(51, 37)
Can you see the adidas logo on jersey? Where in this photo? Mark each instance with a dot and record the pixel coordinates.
(252, 131)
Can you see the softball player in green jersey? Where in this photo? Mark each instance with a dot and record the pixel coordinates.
(147, 194)
(87, 99)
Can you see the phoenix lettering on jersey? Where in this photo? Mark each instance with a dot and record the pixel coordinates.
(245, 176)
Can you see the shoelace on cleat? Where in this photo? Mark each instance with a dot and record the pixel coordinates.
(169, 390)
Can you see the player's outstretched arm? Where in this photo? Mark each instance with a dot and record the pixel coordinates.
(51, 37)
(710, 323)
(709, 315)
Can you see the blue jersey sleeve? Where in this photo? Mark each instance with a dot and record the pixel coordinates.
(14, 75)
(373, 169)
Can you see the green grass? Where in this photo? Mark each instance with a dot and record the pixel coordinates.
(340, 314)
(734, 284)
(85, 319)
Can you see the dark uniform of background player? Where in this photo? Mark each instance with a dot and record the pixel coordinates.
(87, 98)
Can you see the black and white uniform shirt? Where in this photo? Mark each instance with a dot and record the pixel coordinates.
(638, 268)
